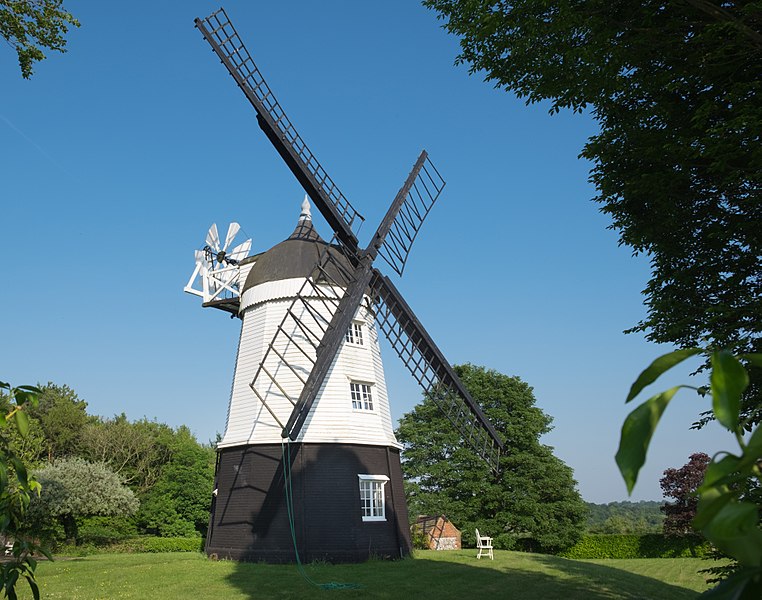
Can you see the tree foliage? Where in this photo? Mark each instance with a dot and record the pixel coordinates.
(179, 503)
(31, 447)
(625, 517)
(137, 451)
(73, 488)
(167, 470)
(62, 415)
(680, 485)
(29, 26)
(534, 496)
(677, 163)
(17, 489)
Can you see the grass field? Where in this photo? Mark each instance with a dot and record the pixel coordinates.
(455, 574)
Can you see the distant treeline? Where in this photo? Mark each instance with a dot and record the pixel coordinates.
(625, 517)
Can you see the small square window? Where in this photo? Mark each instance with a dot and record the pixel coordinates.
(362, 396)
(372, 501)
(354, 334)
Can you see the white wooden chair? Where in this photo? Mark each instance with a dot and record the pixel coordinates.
(484, 545)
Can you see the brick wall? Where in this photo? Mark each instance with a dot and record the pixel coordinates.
(443, 535)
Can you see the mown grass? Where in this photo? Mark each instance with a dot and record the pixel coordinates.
(456, 574)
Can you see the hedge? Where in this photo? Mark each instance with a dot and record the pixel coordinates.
(163, 544)
(135, 545)
(650, 545)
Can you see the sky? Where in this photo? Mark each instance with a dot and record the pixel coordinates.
(116, 157)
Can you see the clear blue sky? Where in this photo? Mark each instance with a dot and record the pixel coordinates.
(117, 156)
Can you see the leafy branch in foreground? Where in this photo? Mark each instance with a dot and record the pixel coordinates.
(725, 516)
(28, 26)
(16, 490)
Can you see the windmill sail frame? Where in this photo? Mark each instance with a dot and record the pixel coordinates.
(335, 208)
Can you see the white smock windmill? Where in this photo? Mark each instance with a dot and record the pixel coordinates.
(309, 467)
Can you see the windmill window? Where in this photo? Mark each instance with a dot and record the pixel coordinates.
(362, 396)
(354, 334)
(372, 499)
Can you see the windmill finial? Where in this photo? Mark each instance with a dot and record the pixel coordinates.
(306, 214)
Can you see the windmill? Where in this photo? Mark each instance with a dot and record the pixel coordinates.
(309, 461)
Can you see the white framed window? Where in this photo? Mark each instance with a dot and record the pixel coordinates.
(354, 334)
(362, 396)
(372, 501)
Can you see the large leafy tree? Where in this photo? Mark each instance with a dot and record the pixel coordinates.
(62, 415)
(178, 503)
(680, 485)
(73, 488)
(29, 26)
(675, 88)
(137, 451)
(534, 496)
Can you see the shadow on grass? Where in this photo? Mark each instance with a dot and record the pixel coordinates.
(624, 584)
(459, 575)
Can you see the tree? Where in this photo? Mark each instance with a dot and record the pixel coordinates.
(681, 485)
(62, 416)
(675, 89)
(28, 26)
(534, 496)
(136, 451)
(73, 488)
(179, 502)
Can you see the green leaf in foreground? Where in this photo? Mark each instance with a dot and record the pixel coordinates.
(728, 380)
(658, 367)
(637, 430)
(712, 500)
(735, 530)
(22, 422)
(719, 470)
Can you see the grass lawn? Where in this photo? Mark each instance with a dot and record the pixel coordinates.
(456, 574)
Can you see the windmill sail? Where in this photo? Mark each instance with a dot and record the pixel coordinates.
(335, 208)
(430, 368)
(407, 213)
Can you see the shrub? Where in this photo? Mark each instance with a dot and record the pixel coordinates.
(140, 544)
(174, 544)
(72, 489)
(468, 537)
(104, 530)
(418, 537)
(504, 541)
(649, 545)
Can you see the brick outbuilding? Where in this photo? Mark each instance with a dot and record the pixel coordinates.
(441, 533)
